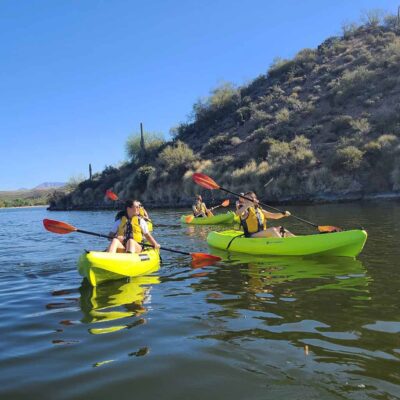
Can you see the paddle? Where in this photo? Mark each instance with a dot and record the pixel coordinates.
(208, 183)
(268, 182)
(225, 203)
(63, 228)
(189, 218)
(111, 195)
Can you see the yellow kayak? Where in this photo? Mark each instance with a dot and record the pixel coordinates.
(100, 266)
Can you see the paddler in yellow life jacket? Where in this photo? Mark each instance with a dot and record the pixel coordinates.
(200, 209)
(253, 219)
(143, 213)
(131, 230)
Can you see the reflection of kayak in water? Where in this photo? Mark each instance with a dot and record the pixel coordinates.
(346, 243)
(342, 273)
(116, 300)
(100, 266)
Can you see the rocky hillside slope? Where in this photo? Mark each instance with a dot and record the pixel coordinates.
(325, 125)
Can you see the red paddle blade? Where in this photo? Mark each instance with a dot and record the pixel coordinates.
(205, 181)
(58, 227)
(189, 219)
(111, 195)
(329, 229)
(225, 203)
(205, 257)
(200, 260)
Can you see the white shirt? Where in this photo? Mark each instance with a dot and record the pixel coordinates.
(143, 226)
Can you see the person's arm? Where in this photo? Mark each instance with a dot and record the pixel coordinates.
(146, 215)
(270, 215)
(241, 210)
(114, 228)
(194, 209)
(152, 241)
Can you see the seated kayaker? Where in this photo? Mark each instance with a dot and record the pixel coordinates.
(143, 213)
(200, 209)
(131, 230)
(239, 204)
(254, 219)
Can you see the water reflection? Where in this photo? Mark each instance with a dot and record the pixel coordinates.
(116, 300)
(321, 306)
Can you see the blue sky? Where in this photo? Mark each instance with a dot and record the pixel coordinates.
(77, 77)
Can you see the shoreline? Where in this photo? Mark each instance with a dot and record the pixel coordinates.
(293, 201)
(38, 206)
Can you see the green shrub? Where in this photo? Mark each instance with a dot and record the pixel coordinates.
(353, 82)
(243, 114)
(216, 144)
(142, 175)
(282, 115)
(296, 154)
(372, 18)
(220, 99)
(280, 67)
(74, 182)
(348, 29)
(152, 143)
(176, 157)
(360, 125)
(390, 21)
(348, 158)
(341, 123)
(305, 61)
(236, 141)
(391, 54)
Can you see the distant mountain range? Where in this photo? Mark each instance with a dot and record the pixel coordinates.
(49, 185)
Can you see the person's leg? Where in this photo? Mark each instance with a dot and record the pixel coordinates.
(115, 245)
(288, 234)
(133, 247)
(270, 232)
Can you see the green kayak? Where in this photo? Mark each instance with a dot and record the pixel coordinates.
(227, 218)
(346, 243)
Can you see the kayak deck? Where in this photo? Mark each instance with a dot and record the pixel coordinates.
(227, 218)
(346, 244)
(100, 266)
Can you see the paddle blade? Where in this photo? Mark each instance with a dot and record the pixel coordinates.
(189, 219)
(205, 181)
(111, 195)
(58, 227)
(225, 203)
(200, 260)
(329, 229)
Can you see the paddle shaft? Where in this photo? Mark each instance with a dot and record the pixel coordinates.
(166, 249)
(94, 234)
(266, 205)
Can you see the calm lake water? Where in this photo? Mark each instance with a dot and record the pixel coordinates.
(246, 328)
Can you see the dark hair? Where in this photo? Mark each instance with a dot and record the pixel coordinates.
(120, 214)
(128, 204)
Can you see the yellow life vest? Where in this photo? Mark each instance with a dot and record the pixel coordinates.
(136, 232)
(255, 221)
(141, 211)
(200, 208)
